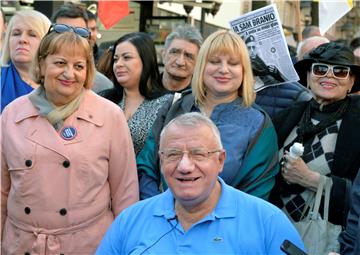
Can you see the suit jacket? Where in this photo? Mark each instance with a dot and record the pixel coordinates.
(59, 196)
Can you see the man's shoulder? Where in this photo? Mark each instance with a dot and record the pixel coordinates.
(276, 98)
(101, 82)
(99, 103)
(291, 90)
(184, 98)
(299, 92)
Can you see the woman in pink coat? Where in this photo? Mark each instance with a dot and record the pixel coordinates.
(67, 160)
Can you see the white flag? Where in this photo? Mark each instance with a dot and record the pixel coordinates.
(331, 11)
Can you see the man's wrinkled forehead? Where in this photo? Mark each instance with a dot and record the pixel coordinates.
(181, 44)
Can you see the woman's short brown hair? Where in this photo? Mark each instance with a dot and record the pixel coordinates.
(54, 43)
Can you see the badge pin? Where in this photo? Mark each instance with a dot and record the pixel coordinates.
(68, 133)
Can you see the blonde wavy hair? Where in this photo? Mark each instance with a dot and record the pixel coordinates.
(70, 42)
(223, 42)
(36, 20)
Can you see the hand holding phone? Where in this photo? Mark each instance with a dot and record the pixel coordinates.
(291, 249)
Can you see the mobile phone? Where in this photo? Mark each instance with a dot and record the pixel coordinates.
(291, 249)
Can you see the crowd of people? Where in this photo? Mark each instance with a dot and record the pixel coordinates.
(86, 133)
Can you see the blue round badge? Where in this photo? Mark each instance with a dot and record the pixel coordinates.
(68, 133)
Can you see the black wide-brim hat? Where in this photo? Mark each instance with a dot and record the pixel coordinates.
(333, 53)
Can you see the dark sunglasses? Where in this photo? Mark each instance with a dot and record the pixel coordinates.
(321, 70)
(62, 28)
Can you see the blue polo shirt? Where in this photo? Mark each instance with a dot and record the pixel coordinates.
(240, 224)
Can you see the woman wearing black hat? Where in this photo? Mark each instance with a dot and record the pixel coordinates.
(327, 126)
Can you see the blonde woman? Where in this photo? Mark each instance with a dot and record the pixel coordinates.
(22, 39)
(222, 89)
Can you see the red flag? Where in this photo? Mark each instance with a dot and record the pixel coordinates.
(111, 12)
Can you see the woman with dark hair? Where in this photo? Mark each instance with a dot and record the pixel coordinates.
(137, 84)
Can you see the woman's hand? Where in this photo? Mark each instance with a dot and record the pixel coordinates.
(295, 171)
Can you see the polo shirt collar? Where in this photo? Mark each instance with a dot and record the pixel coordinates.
(227, 205)
(165, 205)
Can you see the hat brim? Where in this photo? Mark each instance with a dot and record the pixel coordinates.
(303, 66)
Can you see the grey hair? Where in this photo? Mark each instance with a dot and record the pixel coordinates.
(193, 119)
(187, 33)
(315, 40)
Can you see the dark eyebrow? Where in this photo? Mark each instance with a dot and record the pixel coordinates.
(175, 49)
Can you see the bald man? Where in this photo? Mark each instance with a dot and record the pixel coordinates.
(308, 44)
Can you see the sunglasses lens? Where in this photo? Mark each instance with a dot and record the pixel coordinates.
(83, 32)
(320, 70)
(61, 28)
(341, 71)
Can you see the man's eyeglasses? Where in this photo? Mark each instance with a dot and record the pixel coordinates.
(62, 28)
(174, 155)
(321, 70)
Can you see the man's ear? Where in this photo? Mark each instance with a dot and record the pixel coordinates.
(159, 154)
(222, 157)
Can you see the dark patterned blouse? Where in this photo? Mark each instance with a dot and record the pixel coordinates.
(142, 120)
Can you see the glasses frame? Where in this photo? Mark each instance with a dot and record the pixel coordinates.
(189, 155)
(331, 67)
(62, 28)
